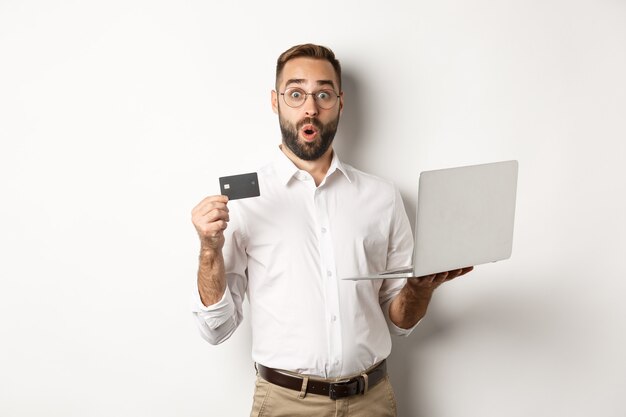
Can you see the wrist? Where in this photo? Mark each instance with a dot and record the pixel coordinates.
(209, 248)
(210, 255)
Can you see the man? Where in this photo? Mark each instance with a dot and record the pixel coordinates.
(320, 343)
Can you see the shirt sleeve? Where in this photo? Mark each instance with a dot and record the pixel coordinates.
(217, 322)
(399, 254)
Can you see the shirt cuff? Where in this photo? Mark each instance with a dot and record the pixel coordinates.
(398, 331)
(393, 329)
(216, 314)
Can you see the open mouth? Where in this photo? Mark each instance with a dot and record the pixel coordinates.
(309, 132)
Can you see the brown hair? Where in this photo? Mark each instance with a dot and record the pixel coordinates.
(308, 50)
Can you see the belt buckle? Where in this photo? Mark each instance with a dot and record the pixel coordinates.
(333, 394)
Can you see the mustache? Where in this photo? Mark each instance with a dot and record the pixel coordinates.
(309, 121)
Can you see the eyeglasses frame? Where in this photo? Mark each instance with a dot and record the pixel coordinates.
(313, 94)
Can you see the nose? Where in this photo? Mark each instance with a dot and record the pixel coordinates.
(310, 106)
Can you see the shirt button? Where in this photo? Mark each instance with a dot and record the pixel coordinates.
(323, 230)
(329, 274)
(333, 318)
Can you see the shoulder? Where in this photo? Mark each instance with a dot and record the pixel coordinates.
(372, 182)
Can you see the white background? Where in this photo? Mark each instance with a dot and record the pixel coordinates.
(117, 117)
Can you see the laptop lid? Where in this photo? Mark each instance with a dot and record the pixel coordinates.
(465, 217)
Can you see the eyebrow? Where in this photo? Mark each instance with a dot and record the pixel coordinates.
(302, 81)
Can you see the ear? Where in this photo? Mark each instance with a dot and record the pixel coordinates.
(340, 103)
(274, 101)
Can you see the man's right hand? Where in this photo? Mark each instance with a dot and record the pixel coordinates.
(210, 218)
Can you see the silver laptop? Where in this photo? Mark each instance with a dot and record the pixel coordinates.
(465, 217)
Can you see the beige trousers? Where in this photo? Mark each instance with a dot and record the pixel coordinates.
(275, 401)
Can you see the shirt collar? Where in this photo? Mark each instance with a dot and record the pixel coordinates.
(286, 170)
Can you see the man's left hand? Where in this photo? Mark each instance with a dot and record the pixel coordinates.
(428, 283)
(411, 303)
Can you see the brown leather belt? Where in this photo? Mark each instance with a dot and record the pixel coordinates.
(334, 390)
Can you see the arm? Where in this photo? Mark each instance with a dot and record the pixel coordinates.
(409, 305)
(221, 281)
(210, 219)
(412, 301)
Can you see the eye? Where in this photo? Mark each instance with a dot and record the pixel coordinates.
(323, 95)
(296, 94)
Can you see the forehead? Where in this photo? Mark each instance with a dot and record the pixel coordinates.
(309, 71)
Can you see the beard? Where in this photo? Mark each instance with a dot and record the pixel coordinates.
(308, 151)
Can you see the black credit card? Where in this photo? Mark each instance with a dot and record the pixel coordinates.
(240, 186)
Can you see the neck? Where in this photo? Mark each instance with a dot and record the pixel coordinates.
(317, 168)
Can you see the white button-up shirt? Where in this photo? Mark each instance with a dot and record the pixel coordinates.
(287, 251)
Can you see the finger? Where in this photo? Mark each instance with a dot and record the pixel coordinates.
(458, 272)
(219, 227)
(208, 208)
(441, 277)
(214, 206)
(213, 229)
(215, 215)
(211, 201)
(205, 224)
(455, 273)
(464, 271)
(421, 282)
(216, 223)
(203, 203)
(424, 278)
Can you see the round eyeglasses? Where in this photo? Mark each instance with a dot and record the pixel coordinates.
(295, 97)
